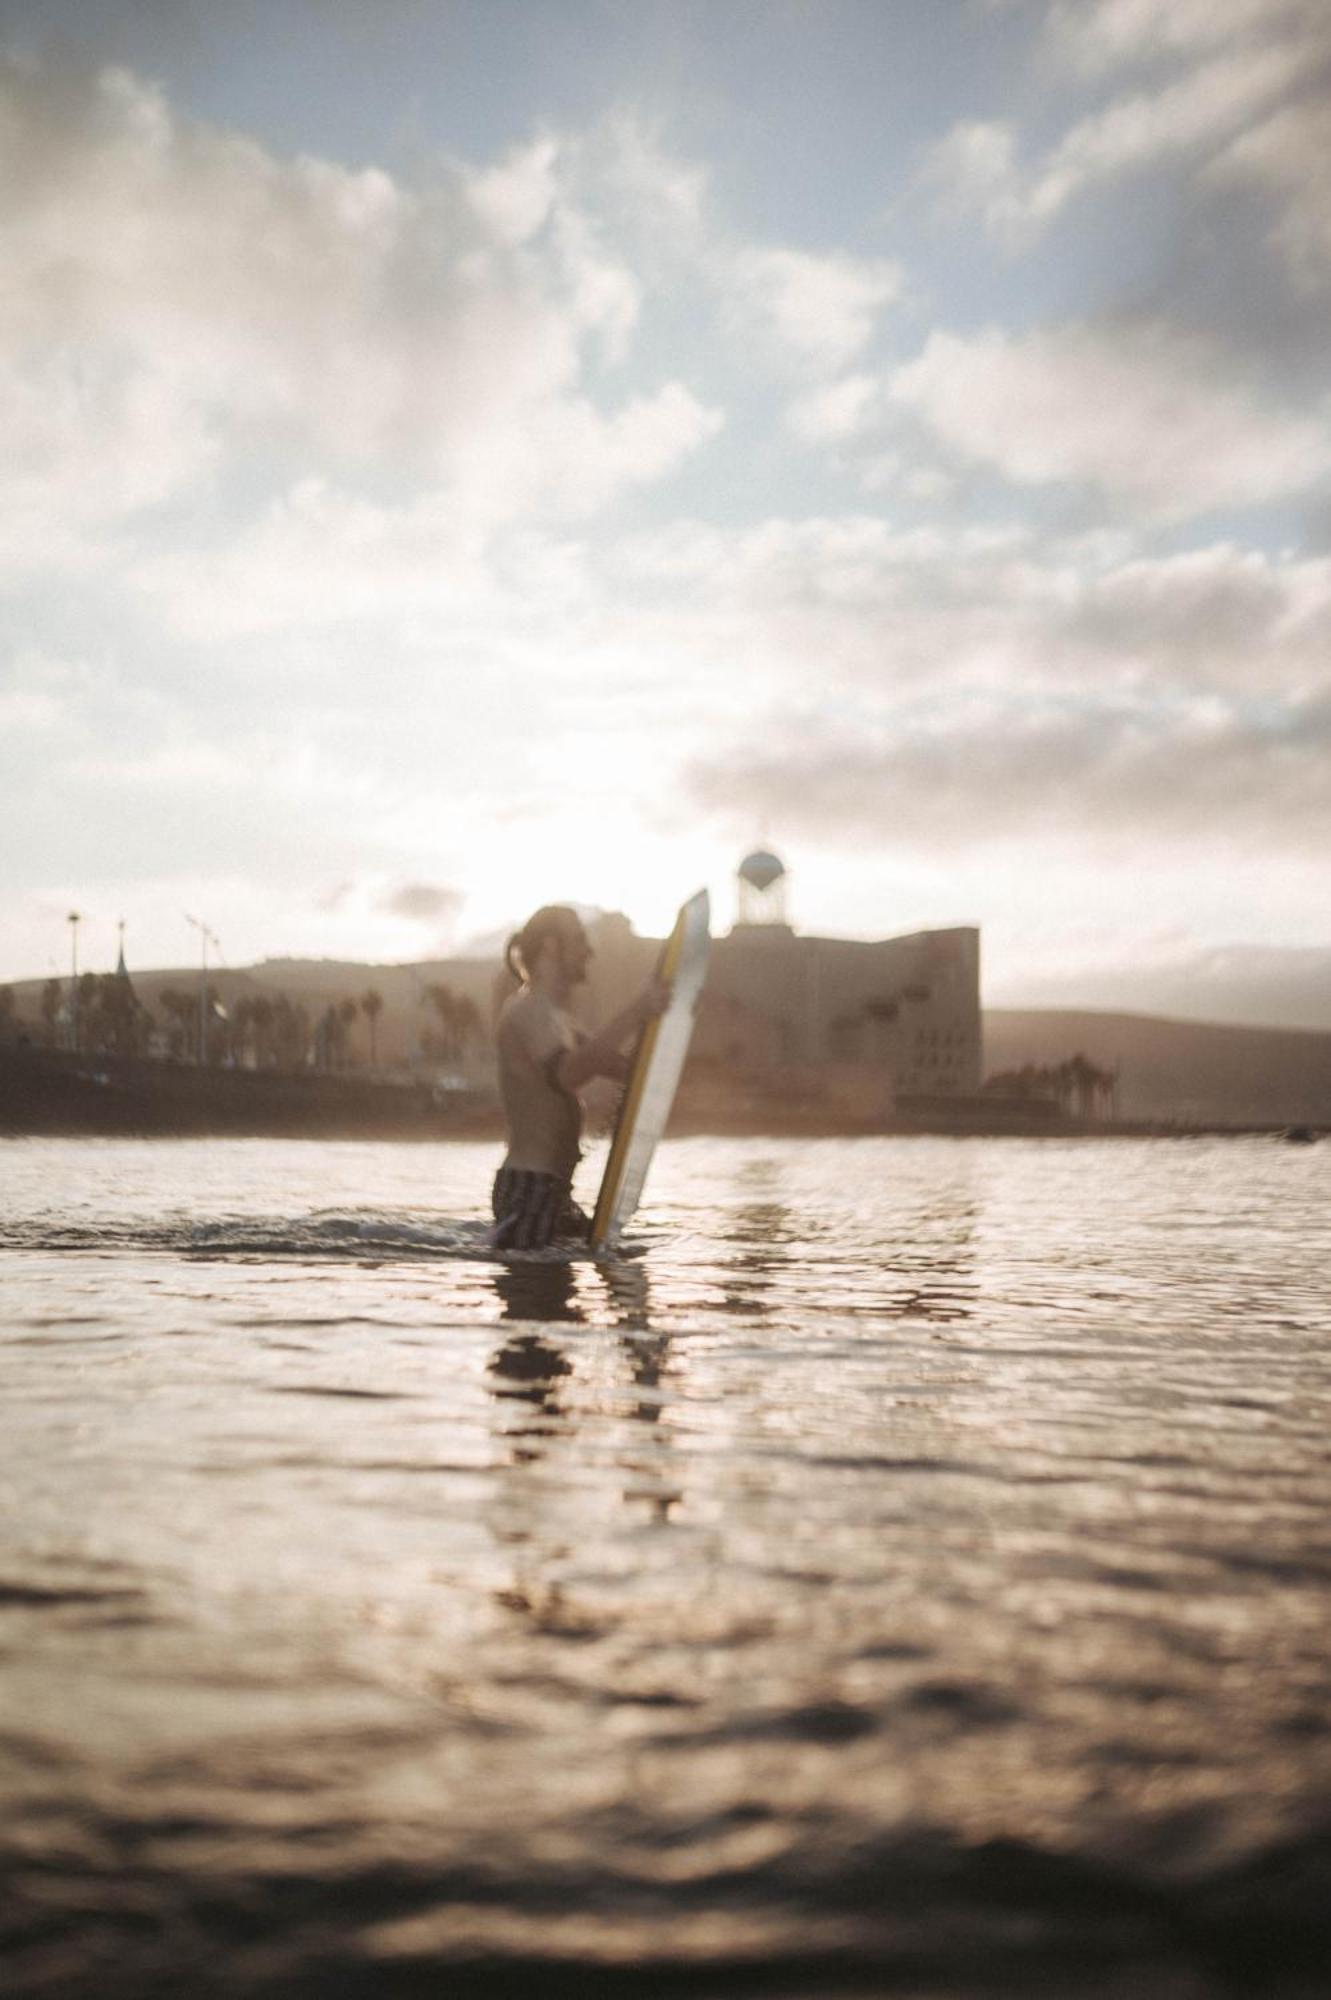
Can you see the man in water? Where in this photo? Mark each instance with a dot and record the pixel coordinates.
(543, 1062)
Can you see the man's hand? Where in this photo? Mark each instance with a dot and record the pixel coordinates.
(652, 1002)
(602, 1055)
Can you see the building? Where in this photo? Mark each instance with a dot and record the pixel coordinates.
(869, 1025)
(907, 1007)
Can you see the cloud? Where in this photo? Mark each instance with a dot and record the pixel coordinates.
(1135, 133)
(820, 308)
(516, 197)
(1140, 770)
(422, 902)
(976, 166)
(1287, 987)
(184, 308)
(916, 614)
(979, 687)
(1227, 67)
(837, 411)
(1146, 413)
(1097, 35)
(319, 556)
(1288, 156)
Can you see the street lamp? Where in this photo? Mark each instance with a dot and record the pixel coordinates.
(206, 937)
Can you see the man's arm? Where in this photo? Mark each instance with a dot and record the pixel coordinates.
(601, 1054)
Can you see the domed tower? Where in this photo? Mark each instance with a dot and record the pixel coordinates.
(762, 889)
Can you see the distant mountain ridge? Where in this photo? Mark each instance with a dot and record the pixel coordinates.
(1237, 985)
(1196, 1072)
(1172, 1068)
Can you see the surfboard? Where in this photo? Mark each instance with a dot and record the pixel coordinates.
(653, 1074)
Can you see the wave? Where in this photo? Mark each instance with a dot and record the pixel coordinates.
(326, 1234)
(921, 1911)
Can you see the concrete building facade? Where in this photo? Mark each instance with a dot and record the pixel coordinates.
(873, 1023)
(907, 1008)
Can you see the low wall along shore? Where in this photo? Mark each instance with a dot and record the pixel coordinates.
(45, 1092)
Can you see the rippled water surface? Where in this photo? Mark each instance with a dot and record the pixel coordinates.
(908, 1574)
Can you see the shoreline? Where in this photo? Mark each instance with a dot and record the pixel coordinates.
(46, 1094)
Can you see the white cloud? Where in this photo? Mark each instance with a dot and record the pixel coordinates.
(181, 303)
(1217, 70)
(646, 184)
(836, 411)
(1142, 770)
(27, 712)
(1135, 133)
(1289, 156)
(822, 308)
(320, 556)
(1149, 415)
(515, 197)
(1108, 34)
(976, 165)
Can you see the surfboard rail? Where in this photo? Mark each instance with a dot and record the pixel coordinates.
(654, 1072)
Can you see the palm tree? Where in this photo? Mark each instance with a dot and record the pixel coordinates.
(182, 1011)
(290, 1033)
(443, 1000)
(372, 1006)
(52, 997)
(261, 1020)
(459, 1020)
(346, 1014)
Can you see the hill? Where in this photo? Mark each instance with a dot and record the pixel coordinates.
(1172, 1069)
(1235, 985)
(1196, 1072)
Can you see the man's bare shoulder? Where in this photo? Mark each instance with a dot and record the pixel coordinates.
(530, 1020)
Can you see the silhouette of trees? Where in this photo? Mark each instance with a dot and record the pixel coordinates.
(113, 1019)
(347, 1011)
(182, 1015)
(333, 1034)
(243, 1040)
(252, 1030)
(52, 1001)
(8, 1012)
(261, 1018)
(1078, 1086)
(289, 1033)
(372, 1006)
(459, 1025)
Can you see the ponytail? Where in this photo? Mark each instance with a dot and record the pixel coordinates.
(523, 948)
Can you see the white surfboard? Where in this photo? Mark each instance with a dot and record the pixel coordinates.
(653, 1074)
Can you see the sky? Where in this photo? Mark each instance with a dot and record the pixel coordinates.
(463, 456)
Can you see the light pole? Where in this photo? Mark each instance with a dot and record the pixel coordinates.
(74, 920)
(206, 938)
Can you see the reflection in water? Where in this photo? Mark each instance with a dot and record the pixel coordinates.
(528, 1370)
(762, 1229)
(538, 1291)
(771, 1634)
(936, 1261)
(532, 1367)
(625, 1281)
(785, 1257)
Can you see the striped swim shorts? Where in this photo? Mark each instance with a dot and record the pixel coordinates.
(532, 1209)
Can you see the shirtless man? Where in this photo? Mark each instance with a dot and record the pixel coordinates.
(543, 1062)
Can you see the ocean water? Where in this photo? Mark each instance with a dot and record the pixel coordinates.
(910, 1573)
